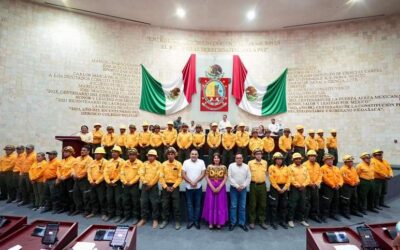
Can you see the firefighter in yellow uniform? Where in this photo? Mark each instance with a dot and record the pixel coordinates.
(268, 146)
(169, 135)
(121, 141)
(279, 176)
(184, 142)
(299, 142)
(132, 138)
(199, 139)
(95, 174)
(242, 141)
(300, 179)
(108, 141)
(321, 146)
(144, 141)
(258, 190)
(255, 142)
(331, 182)
(213, 140)
(65, 182)
(311, 141)
(383, 173)
(149, 175)
(51, 195)
(228, 144)
(7, 164)
(348, 192)
(331, 145)
(130, 180)
(97, 136)
(81, 183)
(156, 141)
(170, 179)
(366, 173)
(24, 183)
(285, 146)
(312, 190)
(36, 177)
(21, 155)
(114, 185)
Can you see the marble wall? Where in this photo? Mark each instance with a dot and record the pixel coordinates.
(59, 70)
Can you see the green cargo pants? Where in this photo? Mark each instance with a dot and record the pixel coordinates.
(297, 200)
(366, 190)
(257, 202)
(150, 196)
(166, 199)
(131, 201)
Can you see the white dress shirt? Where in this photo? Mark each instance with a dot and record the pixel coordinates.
(222, 125)
(239, 175)
(193, 170)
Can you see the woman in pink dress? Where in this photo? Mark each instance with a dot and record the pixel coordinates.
(215, 210)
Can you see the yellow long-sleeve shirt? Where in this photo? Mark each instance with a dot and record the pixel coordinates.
(28, 162)
(331, 142)
(96, 170)
(255, 143)
(144, 138)
(109, 140)
(129, 174)
(382, 169)
(19, 161)
(199, 139)
(150, 172)
(213, 139)
(331, 176)
(66, 169)
(7, 162)
(228, 140)
(279, 176)
(171, 172)
(349, 175)
(169, 137)
(80, 169)
(184, 140)
(311, 143)
(242, 139)
(97, 136)
(37, 170)
(51, 171)
(366, 171)
(121, 140)
(285, 143)
(156, 140)
(299, 176)
(112, 170)
(299, 140)
(321, 142)
(258, 170)
(132, 140)
(314, 170)
(268, 144)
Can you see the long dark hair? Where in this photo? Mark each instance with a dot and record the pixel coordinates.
(219, 157)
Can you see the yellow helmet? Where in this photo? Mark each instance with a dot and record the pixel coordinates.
(100, 150)
(311, 152)
(277, 155)
(365, 155)
(320, 131)
(299, 127)
(348, 158)
(377, 151)
(152, 152)
(117, 148)
(328, 156)
(296, 155)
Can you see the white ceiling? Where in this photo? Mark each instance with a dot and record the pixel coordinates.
(230, 15)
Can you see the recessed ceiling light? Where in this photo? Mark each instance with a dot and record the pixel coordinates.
(353, 1)
(180, 12)
(251, 15)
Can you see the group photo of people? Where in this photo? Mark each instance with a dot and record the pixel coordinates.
(227, 176)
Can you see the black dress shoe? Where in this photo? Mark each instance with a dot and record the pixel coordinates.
(284, 225)
(373, 210)
(357, 214)
(231, 227)
(244, 227)
(384, 205)
(274, 226)
(197, 225)
(190, 225)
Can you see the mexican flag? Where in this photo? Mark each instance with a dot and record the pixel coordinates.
(168, 98)
(255, 98)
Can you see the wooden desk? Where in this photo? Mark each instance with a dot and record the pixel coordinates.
(383, 240)
(89, 233)
(316, 240)
(67, 232)
(16, 222)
